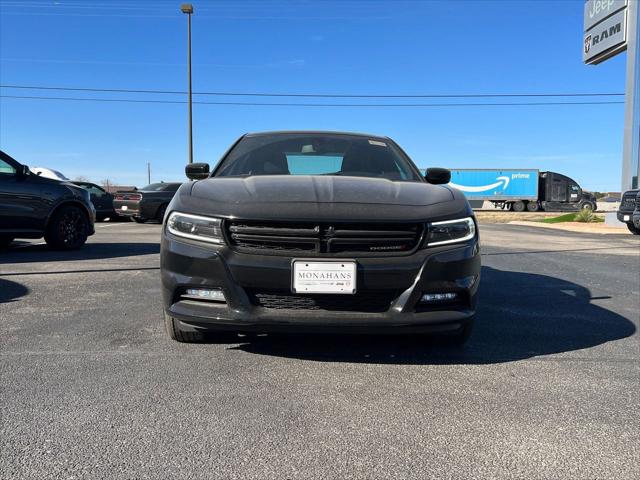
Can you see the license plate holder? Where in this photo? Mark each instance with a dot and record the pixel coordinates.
(324, 276)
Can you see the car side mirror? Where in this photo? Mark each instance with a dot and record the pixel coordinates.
(197, 171)
(23, 171)
(438, 176)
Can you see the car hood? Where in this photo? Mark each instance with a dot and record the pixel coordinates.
(320, 189)
(320, 198)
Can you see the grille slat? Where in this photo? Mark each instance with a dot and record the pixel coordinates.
(369, 302)
(374, 233)
(628, 202)
(261, 230)
(324, 239)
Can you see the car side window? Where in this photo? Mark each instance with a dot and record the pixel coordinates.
(96, 191)
(6, 169)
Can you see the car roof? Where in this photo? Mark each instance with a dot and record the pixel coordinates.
(314, 132)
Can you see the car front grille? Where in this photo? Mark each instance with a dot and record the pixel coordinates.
(628, 202)
(324, 239)
(368, 302)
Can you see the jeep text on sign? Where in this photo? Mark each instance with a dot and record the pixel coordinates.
(597, 10)
(608, 36)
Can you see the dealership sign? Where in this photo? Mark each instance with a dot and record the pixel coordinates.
(605, 29)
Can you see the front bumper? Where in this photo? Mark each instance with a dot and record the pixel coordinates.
(127, 208)
(450, 268)
(625, 216)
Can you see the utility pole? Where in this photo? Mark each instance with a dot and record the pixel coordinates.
(149, 173)
(630, 146)
(611, 27)
(187, 8)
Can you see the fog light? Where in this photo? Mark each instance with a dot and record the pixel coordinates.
(215, 295)
(438, 297)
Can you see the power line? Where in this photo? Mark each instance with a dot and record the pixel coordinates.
(310, 95)
(277, 104)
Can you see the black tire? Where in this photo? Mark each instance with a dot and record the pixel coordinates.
(68, 228)
(138, 219)
(161, 211)
(5, 241)
(460, 337)
(172, 327)
(587, 206)
(633, 229)
(175, 333)
(533, 206)
(518, 206)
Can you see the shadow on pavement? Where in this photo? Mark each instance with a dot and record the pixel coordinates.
(11, 291)
(25, 253)
(520, 316)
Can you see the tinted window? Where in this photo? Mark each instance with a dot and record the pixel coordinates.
(161, 187)
(317, 154)
(5, 168)
(95, 190)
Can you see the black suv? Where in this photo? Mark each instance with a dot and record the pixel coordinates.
(318, 231)
(630, 202)
(32, 206)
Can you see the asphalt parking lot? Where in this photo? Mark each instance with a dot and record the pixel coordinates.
(547, 387)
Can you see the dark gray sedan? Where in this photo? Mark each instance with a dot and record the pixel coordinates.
(148, 203)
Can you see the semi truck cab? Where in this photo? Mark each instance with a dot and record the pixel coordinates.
(557, 192)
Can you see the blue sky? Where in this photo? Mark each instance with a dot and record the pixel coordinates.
(350, 46)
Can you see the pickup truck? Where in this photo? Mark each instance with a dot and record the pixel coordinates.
(629, 210)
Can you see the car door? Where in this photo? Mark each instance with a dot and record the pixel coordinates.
(101, 200)
(559, 191)
(21, 202)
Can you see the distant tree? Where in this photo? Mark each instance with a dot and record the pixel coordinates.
(82, 178)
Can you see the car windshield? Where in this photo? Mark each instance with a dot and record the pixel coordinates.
(160, 187)
(317, 154)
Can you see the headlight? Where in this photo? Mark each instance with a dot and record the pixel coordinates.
(205, 229)
(450, 231)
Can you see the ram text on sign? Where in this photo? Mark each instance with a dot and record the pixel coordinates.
(606, 38)
(597, 10)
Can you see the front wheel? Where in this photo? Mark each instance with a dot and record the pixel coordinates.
(179, 334)
(633, 229)
(161, 211)
(68, 229)
(460, 337)
(587, 206)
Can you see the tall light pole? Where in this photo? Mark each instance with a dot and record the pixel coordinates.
(188, 9)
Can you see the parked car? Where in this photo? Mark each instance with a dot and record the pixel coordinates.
(101, 199)
(636, 216)
(314, 231)
(32, 206)
(148, 203)
(630, 202)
